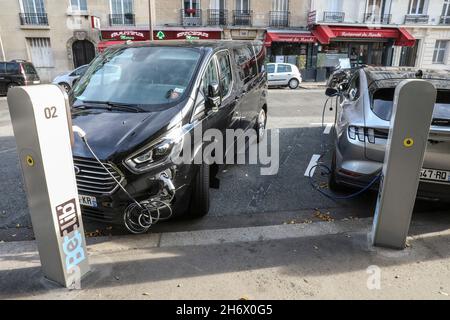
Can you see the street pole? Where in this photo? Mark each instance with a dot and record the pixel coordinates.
(151, 4)
(2, 49)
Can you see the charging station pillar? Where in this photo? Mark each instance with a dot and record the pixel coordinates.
(42, 128)
(405, 150)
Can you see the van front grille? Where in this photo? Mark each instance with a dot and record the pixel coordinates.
(93, 179)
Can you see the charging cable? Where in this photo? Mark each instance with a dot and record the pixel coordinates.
(332, 196)
(138, 218)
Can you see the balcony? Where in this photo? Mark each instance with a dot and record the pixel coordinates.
(329, 16)
(279, 19)
(126, 19)
(377, 18)
(416, 19)
(36, 19)
(217, 17)
(444, 20)
(191, 17)
(243, 18)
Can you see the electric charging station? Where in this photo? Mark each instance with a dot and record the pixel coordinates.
(42, 127)
(405, 150)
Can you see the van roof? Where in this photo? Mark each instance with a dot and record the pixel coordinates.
(217, 44)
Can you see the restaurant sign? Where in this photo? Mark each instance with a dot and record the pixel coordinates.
(125, 35)
(187, 35)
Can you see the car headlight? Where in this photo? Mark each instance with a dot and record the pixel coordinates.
(157, 153)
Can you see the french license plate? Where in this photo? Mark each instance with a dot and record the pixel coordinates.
(88, 201)
(435, 175)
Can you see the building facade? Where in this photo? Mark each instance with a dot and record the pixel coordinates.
(426, 21)
(59, 35)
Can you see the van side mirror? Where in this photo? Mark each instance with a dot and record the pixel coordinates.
(331, 92)
(213, 100)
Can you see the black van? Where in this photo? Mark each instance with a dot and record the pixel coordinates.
(17, 73)
(137, 101)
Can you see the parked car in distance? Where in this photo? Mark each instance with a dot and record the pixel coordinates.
(138, 102)
(17, 73)
(362, 128)
(283, 75)
(67, 79)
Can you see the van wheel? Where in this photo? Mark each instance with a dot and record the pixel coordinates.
(65, 86)
(332, 183)
(260, 126)
(10, 86)
(200, 194)
(293, 84)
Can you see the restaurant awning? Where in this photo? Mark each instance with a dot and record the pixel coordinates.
(325, 34)
(300, 37)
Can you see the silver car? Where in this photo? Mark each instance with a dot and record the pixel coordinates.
(67, 79)
(362, 127)
(283, 74)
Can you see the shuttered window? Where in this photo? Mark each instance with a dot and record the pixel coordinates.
(41, 52)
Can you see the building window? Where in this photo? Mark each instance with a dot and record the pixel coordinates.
(446, 8)
(440, 51)
(121, 12)
(243, 5)
(33, 12)
(78, 5)
(417, 7)
(280, 5)
(41, 52)
(191, 8)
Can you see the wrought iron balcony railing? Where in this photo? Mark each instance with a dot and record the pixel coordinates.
(33, 19)
(279, 19)
(217, 17)
(191, 17)
(444, 20)
(126, 19)
(329, 16)
(242, 17)
(370, 17)
(417, 18)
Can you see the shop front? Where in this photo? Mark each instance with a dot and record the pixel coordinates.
(293, 47)
(112, 37)
(358, 45)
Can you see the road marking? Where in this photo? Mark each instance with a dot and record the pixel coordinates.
(315, 158)
(328, 128)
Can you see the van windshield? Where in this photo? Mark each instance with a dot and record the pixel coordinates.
(383, 101)
(143, 76)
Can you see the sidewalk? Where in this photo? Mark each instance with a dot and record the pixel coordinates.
(322, 260)
(313, 85)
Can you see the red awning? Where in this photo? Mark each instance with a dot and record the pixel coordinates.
(303, 37)
(405, 39)
(105, 44)
(325, 34)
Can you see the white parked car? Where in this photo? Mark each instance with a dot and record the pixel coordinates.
(283, 74)
(67, 79)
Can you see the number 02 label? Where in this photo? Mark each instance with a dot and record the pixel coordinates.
(50, 113)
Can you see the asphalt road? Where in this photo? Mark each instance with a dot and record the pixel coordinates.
(245, 197)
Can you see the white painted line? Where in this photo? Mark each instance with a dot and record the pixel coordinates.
(328, 128)
(315, 158)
